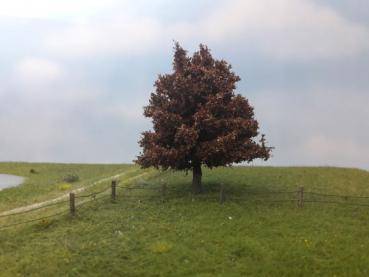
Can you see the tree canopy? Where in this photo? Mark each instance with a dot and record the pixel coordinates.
(198, 119)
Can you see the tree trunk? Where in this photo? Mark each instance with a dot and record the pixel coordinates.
(196, 179)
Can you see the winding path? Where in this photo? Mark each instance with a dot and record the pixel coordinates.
(65, 196)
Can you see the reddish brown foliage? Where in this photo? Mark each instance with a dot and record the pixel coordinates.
(197, 117)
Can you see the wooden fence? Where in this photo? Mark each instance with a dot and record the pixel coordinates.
(301, 197)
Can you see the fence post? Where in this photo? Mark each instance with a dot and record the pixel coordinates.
(301, 197)
(222, 194)
(113, 190)
(72, 203)
(163, 191)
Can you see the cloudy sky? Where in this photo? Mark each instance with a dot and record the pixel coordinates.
(74, 74)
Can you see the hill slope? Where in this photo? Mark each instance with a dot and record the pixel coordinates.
(252, 233)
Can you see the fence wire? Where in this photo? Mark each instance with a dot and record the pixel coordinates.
(33, 220)
(92, 200)
(270, 192)
(34, 209)
(93, 194)
(336, 195)
(223, 197)
(336, 202)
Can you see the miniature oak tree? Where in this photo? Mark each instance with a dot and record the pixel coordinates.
(198, 119)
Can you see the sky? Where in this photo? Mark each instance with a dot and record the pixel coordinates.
(75, 75)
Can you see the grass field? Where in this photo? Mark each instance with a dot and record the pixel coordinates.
(48, 182)
(140, 235)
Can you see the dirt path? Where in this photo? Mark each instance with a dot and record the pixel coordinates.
(65, 196)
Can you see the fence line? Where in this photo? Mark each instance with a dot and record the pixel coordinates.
(73, 204)
(271, 192)
(49, 216)
(93, 194)
(32, 220)
(34, 209)
(337, 202)
(336, 195)
(91, 200)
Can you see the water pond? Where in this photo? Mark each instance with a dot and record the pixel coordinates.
(7, 181)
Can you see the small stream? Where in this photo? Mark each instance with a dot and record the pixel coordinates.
(7, 181)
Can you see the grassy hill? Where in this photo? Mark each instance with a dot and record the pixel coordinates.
(253, 233)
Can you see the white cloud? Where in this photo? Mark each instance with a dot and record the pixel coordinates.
(286, 29)
(335, 150)
(120, 35)
(52, 9)
(67, 125)
(316, 126)
(37, 71)
(126, 111)
(281, 29)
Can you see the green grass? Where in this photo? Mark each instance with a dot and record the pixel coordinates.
(47, 182)
(196, 236)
